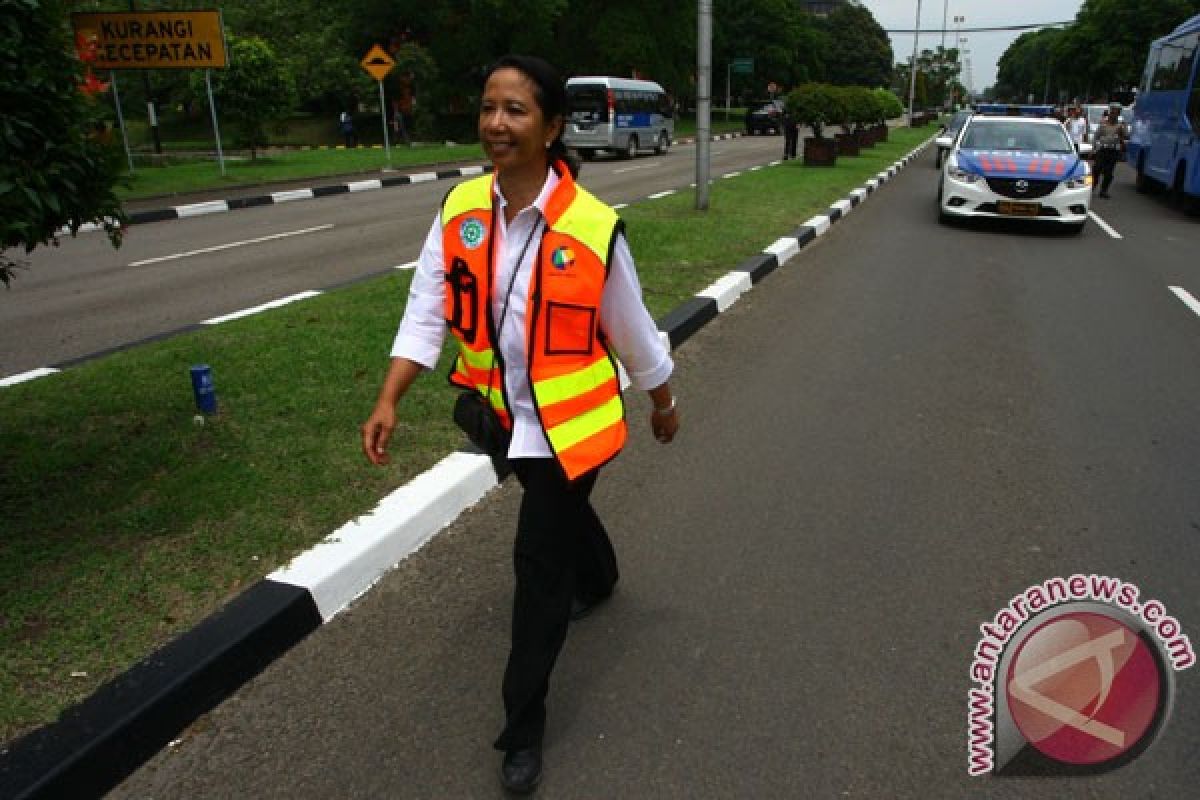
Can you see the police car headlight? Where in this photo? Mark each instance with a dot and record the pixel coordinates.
(1082, 182)
(960, 175)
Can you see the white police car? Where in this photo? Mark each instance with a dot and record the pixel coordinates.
(1011, 166)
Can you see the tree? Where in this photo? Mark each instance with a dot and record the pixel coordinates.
(858, 51)
(252, 91)
(780, 38)
(1100, 55)
(319, 47)
(56, 168)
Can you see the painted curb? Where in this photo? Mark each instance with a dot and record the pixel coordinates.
(98, 743)
(289, 195)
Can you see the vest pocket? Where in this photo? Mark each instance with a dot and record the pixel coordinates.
(464, 300)
(570, 329)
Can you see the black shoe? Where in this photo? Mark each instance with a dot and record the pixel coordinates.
(581, 608)
(522, 769)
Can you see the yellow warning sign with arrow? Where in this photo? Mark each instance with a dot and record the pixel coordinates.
(377, 63)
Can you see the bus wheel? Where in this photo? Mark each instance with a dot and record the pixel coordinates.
(587, 155)
(663, 143)
(1141, 183)
(631, 147)
(1179, 196)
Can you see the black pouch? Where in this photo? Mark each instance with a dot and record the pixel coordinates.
(482, 425)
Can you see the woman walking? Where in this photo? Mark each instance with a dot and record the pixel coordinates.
(534, 278)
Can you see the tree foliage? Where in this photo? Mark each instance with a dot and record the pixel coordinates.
(1099, 56)
(56, 168)
(254, 90)
(857, 49)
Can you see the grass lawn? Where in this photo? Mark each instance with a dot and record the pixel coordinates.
(189, 174)
(177, 173)
(125, 522)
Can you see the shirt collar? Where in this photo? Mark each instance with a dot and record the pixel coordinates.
(541, 200)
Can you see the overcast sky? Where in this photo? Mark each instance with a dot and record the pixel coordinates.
(986, 48)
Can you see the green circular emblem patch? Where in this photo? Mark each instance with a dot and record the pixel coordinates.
(471, 232)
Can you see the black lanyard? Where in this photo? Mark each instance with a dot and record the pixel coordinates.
(508, 296)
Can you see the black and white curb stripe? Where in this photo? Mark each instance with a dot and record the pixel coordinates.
(233, 204)
(98, 743)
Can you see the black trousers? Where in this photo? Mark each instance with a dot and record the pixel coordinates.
(791, 136)
(1106, 161)
(561, 552)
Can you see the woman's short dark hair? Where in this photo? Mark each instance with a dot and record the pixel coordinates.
(549, 92)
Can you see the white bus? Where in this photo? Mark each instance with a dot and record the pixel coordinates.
(617, 114)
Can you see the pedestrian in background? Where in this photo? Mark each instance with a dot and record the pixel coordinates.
(1110, 144)
(346, 125)
(1077, 126)
(791, 133)
(398, 127)
(534, 278)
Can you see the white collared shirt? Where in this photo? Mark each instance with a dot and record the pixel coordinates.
(623, 316)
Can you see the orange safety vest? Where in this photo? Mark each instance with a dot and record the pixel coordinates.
(572, 373)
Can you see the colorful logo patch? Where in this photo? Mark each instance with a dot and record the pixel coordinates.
(471, 232)
(563, 258)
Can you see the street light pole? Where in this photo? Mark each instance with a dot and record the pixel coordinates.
(945, 8)
(912, 80)
(703, 99)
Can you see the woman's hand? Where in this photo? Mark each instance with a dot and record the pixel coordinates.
(664, 424)
(376, 432)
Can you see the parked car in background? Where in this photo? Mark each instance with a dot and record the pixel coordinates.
(764, 116)
(618, 115)
(1095, 113)
(950, 130)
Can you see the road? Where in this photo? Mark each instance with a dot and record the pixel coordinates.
(883, 443)
(84, 297)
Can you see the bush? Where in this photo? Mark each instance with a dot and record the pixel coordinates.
(890, 105)
(862, 109)
(815, 105)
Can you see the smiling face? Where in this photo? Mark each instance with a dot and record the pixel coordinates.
(512, 127)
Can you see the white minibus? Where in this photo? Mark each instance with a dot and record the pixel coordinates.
(617, 114)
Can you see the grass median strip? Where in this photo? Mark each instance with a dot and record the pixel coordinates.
(126, 521)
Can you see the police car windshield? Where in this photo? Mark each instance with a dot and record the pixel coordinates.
(1017, 135)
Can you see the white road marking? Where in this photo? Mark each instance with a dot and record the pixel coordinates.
(731, 174)
(409, 265)
(40, 372)
(631, 169)
(1187, 299)
(1107, 228)
(245, 312)
(220, 247)
(619, 206)
(660, 195)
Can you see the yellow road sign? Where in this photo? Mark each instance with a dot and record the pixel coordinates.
(377, 63)
(151, 39)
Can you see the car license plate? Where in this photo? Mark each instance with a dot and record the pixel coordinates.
(1018, 209)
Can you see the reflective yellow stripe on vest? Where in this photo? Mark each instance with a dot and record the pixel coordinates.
(575, 430)
(573, 384)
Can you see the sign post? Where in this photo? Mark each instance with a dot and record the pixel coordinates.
(378, 64)
(121, 119)
(156, 40)
(212, 105)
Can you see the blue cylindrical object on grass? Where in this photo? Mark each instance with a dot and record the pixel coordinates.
(203, 389)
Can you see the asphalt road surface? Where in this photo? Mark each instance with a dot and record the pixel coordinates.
(881, 445)
(84, 297)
